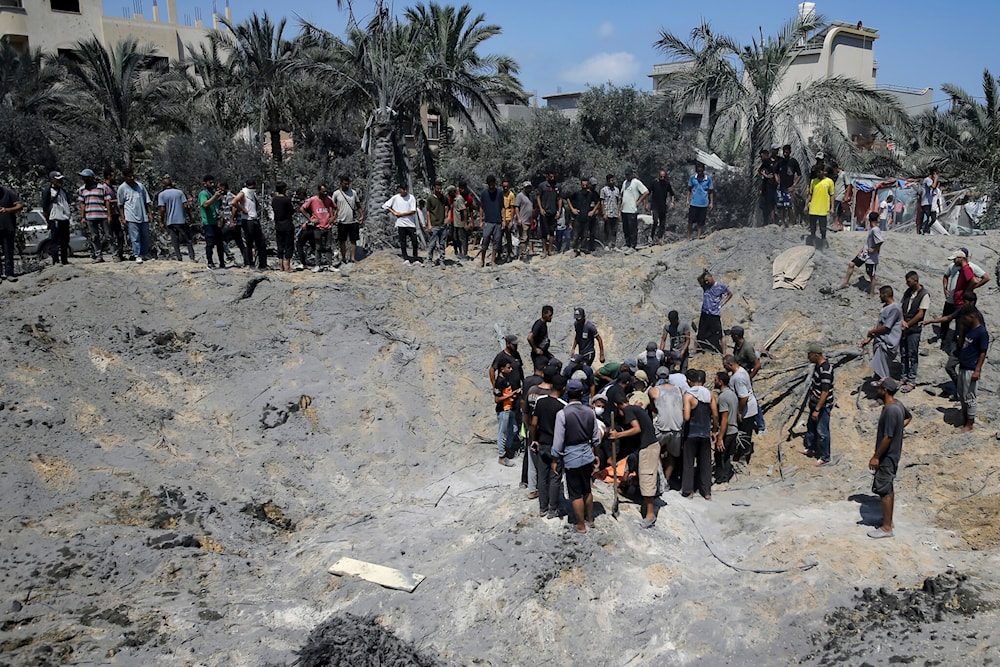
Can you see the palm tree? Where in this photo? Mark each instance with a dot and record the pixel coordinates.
(213, 81)
(747, 79)
(392, 69)
(257, 72)
(978, 151)
(32, 83)
(127, 94)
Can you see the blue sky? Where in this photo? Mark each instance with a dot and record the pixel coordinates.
(566, 45)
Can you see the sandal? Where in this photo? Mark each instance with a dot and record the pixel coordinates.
(907, 388)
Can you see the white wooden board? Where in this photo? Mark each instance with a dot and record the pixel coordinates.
(377, 574)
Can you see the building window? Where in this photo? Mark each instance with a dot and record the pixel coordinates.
(11, 3)
(66, 6)
(433, 129)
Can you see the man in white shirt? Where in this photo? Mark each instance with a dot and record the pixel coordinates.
(633, 195)
(404, 207)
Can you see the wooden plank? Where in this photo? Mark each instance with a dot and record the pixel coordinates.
(377, 574)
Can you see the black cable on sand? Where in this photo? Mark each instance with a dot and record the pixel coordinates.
(353, 641)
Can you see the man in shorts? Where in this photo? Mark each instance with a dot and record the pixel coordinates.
(867, 256)
(888, 448)
(700, 199)
(576, 436)
(637, 427)
(668, 400)
(350, 217)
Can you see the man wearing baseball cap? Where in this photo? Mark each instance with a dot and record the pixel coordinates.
(820, 405)
(948, 282)
(55, 208)
(573, 443)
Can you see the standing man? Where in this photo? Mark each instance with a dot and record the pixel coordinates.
(404, 207)
(437, 231)
(927, 216)
(746, 417)
(867, 256)
(714, 296)
(668, 401)
(725, 439)
(700, 199)
(821, 191)
(583, 205)
(543, 429)
(701, 412)
(886, 334)
(95, 198)
(789, 175)
(843, 195)
(820, 405)
(246, 205)
(538, 339)
(971, 357)
(916, 301)
(115, 219)
(55, 208)
(636, 426)
(525, 209)
(949, 282)
(509, 215)
(576, 436)
(744, 351)
(137, 208)
(659, 191)
(585, 333)
(208, 208)
(550, 209)
(633, 195)
(173, 204)
(610, 210)
(350, 217)
(319, 209)
(504, 396)
(888, 448)
(491, 220)
(10, 206)
(768, 186)
(680, 340)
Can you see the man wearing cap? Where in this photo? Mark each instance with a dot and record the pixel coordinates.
(137, 209)
(634, 193)
(95, 199)
(714, 296)
(578, 362)
(700, 199)
(885, 335)
(651, 359)
(668, 410)
(888, 449)
(550, 209)
(610, 211)
(679, 334)
(55, 208)
(948, 282)
(437, 231)
(659, 191)
(585, 333)
(10, 206)
(635, 429)
(574, 441)
(505, 397)
(509, 355)
(525, 208)
(820, 405)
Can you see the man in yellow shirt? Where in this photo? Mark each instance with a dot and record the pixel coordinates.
(818, 203)
(508, 213)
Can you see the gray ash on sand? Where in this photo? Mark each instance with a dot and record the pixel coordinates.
(353, 641)
(905, 626)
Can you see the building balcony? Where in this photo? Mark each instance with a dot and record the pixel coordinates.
(13, 19)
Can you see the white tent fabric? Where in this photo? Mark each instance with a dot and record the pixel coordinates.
(793, 268)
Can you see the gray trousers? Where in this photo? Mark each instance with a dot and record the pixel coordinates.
(967, 391)
(98, 230)
(881, 358)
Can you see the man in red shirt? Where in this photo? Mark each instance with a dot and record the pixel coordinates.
(967, 281)
(320, 210)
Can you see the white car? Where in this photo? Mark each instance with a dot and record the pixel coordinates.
(36, 236)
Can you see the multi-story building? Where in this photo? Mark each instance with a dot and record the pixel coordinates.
(57, 25)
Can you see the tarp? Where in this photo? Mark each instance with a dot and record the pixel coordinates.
(793, 268)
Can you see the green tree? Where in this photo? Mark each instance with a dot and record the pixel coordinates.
(126, 92)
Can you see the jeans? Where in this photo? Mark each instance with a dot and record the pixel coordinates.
(438, 242)
(117, 235)
(97, 233)
(460, 241)
(818, 433)
(610, 231)
(583, 234)
(562, 240)
(321, 244)
(255, 238)
(505, 432)
(213, 239)
(908, 350)
(138, 233)
(59, 241)
(549, 483)
(408, 236)
(630, 228)
(7, 240)
(305, 236)
(177, 233)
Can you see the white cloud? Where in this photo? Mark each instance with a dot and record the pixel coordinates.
(606, 29)
(603, 67)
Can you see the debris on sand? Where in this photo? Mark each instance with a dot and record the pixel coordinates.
(353, 641)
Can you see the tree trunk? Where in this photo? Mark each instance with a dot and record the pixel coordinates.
(275, 145)
(381, 228)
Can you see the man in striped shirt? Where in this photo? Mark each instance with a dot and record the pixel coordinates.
(95, 197)
(820, 404)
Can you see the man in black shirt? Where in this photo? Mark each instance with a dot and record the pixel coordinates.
(768, 186)
(550, 203)
(10, 205)
(543, 427)
(583, 205)
(538, 339)
(789, 175)
(659, 190)
(509, 353)
(638, 433)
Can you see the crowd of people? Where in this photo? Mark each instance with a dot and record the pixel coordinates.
(677, 426)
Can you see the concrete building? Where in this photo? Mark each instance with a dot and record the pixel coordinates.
(56, 25)
(566, 103)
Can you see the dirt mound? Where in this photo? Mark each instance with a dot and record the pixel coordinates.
(351, 641)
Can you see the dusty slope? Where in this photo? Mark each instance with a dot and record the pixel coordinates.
(181, 466)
